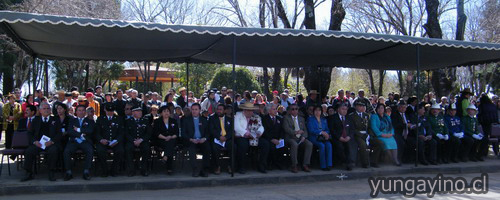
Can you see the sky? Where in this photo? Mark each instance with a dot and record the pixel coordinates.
(250, 9)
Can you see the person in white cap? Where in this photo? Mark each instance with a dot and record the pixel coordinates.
(471, 129)
(441, 134)
(456, 129)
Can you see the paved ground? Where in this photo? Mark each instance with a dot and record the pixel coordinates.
(253, 185)
(351, 189)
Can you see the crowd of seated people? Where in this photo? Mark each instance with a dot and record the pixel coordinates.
(347, 130)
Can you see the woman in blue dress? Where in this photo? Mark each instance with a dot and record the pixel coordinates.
(319, 135)
(381, 125)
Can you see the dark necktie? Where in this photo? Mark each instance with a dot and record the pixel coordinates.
(29, 123)
(344, 134)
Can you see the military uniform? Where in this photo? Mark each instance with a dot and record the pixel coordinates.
(110, 129)
(471, 127)
(360, 128)
(461, 149)
(444, 146)
(137, 129)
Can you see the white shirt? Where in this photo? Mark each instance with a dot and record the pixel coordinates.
(45, 119)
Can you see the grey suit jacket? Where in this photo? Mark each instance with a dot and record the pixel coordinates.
(288, 126)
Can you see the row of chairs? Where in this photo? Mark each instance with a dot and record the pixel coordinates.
(20, 142)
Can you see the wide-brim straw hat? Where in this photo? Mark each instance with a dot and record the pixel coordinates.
(248, 106)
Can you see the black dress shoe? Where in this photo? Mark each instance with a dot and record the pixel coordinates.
(144, 173)
(261, 170)
(196, 173)
(203, 173)
(364, 166)
(423, 162)
(432, 163)
(398, 164)
(453, 160)
(29, 176)
(52, 176)
(68, 177)
(348, 168)
(242, 171)
(445, 161)
(86, 176)
(130, 174)
(113, 173)
(473, 159)
(479, 158)
(374, 165)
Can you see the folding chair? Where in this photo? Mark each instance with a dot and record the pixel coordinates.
(19, 144)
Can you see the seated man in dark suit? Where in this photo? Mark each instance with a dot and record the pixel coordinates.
(195, 130)
(45, 125)
(421, 129)
(221, 129)
(137, 133)
(109, 134)
(25, 123)
(275, 135)
(401, 124)
(80, 137)
(339, 126)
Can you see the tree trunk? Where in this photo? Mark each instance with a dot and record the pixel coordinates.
(461, 20)
(320, 77)
(310, 17)
(288, 71)
(432, 27)
(262, 21)
(8, 73)
(266, 82)
(372, 83)
(442, 80)
(337, 15)
(381, 75)
(401, 83)
(317, 78)
(276, 78)
(282, 14)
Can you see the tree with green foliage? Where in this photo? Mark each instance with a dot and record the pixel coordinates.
(71, 73)
(245, 80)
(199, 75)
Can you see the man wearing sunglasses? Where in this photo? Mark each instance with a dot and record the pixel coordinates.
(296, 136)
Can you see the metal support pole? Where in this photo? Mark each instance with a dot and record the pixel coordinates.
(428, 82)
(33, 75)
(46, 80)
(418, 98)
(187, 77)
(320, 86)
(136, 82)
(234, 109)
(298, 70)
(29, 76)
